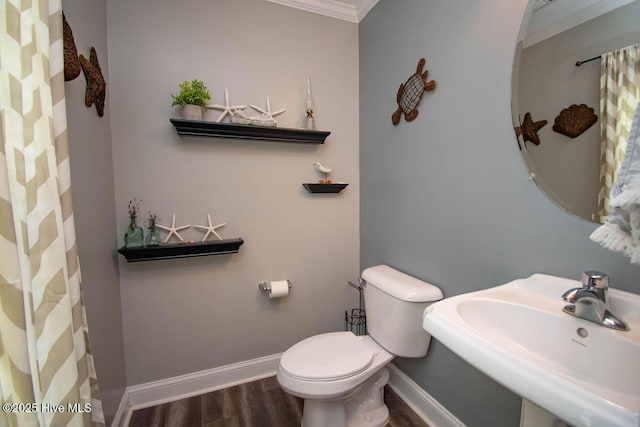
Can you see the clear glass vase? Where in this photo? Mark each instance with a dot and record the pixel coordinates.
(133, 237)
(152, 238)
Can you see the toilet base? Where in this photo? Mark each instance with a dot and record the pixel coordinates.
(365, 407)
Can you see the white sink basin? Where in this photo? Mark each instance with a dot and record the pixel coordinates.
(517, 334)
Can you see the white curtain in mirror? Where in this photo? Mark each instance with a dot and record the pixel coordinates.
(621, 230)
(619, 95)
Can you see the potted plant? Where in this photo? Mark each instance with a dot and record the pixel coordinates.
(192, 98)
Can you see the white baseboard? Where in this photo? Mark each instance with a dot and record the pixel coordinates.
(183, 386)
(123, 414)
(422, 403)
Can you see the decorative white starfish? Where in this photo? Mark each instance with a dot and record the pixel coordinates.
(173, 229)
(211, 229)
(268, 114)
(226, 108)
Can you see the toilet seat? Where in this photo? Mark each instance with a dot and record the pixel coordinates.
(327, 357)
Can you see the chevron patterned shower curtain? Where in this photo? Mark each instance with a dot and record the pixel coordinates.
(47, 377)
(619, 95)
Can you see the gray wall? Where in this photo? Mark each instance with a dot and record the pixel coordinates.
(446, 197)
(569, 169)
(93, 200)
(186, 315)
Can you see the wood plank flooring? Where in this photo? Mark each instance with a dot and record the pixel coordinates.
(256, 404)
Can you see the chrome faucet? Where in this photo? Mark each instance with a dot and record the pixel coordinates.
(590, 302)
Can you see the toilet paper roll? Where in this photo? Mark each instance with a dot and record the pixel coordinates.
(279, 289)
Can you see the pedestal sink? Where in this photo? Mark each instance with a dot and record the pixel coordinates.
(585, 374)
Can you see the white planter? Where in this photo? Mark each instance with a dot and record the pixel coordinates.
(192, 112)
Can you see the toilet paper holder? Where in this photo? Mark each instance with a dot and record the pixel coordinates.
(266, 286)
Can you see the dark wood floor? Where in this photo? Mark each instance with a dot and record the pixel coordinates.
(257, 404)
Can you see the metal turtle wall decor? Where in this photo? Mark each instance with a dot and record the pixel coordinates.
(410, 93)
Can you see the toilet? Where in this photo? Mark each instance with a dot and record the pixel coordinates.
(341, 376)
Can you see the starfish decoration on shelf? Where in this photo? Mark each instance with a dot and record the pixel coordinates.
(529, 129)
(226, 108)
(211, 229)
(96, 86)
(267, 114)
(173, 229)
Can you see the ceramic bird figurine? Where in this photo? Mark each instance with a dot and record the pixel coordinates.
(325, 171)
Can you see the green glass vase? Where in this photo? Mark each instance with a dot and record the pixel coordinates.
(133, 237)
(152, 238)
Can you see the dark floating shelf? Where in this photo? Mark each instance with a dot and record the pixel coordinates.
(181, 250)
(230, 130)
(324, 188)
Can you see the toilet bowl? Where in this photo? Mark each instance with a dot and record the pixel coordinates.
(331, 372)
(341, 376)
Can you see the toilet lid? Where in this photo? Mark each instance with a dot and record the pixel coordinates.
(327, 356)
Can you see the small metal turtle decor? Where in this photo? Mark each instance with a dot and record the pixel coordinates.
(410, 93)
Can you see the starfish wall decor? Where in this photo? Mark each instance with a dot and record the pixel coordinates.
(529, 129)
(96, 86)
(72, 67)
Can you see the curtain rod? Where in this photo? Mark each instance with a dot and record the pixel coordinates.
(579, 63)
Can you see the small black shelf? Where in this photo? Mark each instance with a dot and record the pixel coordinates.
(325, 188)
(230, 130)
(181, 250)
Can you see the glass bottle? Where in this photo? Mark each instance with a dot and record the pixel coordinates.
(307, 121)
(152, 238)
(133, 237)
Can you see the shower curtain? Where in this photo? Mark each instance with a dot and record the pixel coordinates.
(619, 95)
(47, 377)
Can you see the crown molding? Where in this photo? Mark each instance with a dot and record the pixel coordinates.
(332, 8)
(363, 7)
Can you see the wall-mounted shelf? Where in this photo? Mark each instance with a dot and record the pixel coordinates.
(325, 188)
(181, 250)
(230, 130)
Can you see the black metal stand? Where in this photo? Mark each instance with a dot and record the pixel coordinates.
(356, 322)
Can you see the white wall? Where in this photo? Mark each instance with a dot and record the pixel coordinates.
(93, 201)
(186, 315)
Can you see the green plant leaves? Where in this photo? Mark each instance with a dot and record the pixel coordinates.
(191, 92)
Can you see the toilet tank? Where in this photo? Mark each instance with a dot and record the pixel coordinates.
(394, 304)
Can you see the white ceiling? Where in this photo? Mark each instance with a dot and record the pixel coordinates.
(347, 10)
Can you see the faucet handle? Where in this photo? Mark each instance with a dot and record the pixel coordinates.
(595, 279)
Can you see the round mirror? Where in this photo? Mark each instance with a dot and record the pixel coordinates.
(556, 93)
